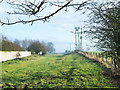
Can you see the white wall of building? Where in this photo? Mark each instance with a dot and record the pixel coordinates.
(8, 55)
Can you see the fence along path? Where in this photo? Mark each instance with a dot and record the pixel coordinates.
(100, 57)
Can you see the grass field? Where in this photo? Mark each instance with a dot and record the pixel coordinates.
(54, 71)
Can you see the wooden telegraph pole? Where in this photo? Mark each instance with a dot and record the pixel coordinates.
(81, 40)
(77, 38)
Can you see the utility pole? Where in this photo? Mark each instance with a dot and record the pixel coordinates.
(81, 40)
(77, 38)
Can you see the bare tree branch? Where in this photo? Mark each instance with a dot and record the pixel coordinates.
(29, 8)
(38, 8)
(1, 1)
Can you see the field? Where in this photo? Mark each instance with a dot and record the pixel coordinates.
(54, 71)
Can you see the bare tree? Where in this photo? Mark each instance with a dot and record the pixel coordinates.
(18, 42)
(25, 43)
(104, 29)
(35, 9)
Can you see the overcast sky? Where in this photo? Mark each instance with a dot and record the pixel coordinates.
(57, 30)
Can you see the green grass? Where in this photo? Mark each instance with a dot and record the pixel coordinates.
(54, 71)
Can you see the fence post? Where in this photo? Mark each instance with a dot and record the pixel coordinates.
(91, 54)
(111, 59)
(102, 56)
(106, 57)
(96, 54)
(99, 55)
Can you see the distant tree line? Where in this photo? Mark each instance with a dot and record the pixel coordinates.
(35, 46)
(10, 46)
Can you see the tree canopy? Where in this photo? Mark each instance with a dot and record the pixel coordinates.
(50, 47)
(10, 46)
(36, 47)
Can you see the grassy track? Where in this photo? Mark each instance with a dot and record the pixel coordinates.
(54, 71)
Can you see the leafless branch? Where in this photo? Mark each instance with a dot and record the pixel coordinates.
(1, 1)
(43, 19)
(29, 8)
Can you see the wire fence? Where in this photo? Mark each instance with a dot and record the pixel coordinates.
(105, 59)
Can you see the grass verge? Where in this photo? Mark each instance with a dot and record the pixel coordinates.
(54, 71)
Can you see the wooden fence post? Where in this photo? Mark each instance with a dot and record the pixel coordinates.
(91, 54)
(99, 55)
(102, 56)
(106, 57)
(111, 59)
(96, 54)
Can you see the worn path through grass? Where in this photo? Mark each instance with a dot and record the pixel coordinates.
(54, 71)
